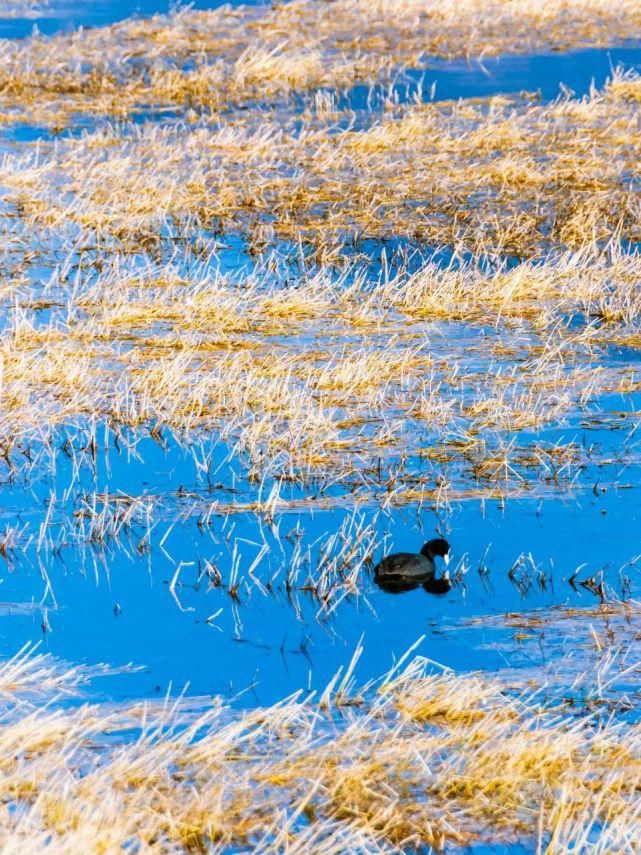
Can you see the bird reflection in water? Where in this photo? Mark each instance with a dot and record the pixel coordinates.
(400, 586)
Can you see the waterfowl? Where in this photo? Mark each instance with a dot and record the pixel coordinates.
(409, 568)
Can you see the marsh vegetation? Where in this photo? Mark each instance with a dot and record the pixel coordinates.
(271, 309)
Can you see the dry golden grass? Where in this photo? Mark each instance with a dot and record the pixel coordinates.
(318, 368)
(229, 56)
(145, 347)
(499, 176)
(417, 759)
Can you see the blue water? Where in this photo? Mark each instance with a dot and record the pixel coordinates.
(64, 16)
(112, 604)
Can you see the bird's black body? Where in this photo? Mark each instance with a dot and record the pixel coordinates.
(403, 571)
(405, 565)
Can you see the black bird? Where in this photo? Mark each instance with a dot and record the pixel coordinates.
(404, 571)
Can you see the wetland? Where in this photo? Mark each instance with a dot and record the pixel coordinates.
(285, 289)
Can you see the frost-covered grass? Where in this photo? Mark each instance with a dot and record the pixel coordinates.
(417, 758)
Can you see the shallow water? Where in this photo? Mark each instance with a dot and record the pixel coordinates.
(61, 16)
(112, 604)
(549, 74)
